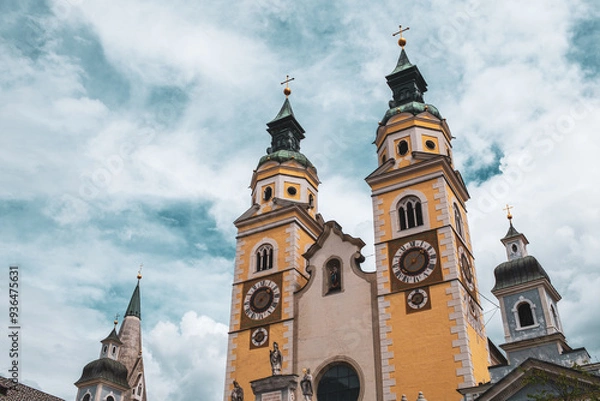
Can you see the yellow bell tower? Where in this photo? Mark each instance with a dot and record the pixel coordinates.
(431, 329)
(272, 236)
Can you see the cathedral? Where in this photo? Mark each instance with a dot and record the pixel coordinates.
(308, 323)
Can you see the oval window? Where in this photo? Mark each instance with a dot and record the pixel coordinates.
(292, 191)
(430, 144)
(339, 382)
(402, 148)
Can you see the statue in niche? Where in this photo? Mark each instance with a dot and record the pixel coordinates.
(276, 359)
(237, 394)
(333, 272)
(306, 385)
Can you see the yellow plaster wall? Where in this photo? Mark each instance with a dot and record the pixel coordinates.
(479, 354)
(252, 364)
(422, 347)
(287, 195)
(427, 189)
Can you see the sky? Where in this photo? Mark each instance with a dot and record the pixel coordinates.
(129, 132)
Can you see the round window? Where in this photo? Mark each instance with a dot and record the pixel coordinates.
(292, 191)
(402, 148)
(339, 382)
(430, 144)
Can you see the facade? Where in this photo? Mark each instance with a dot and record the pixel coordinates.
(299, 289)
(118, 374)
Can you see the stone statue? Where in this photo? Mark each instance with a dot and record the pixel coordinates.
(237, 394)
(276, 359)
(306, 385)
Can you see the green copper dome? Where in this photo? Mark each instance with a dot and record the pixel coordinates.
(412, 107)
(281, 156)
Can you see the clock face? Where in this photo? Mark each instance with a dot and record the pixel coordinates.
(417, 299)
(261, 299)
(465, 268)
(414, 261)
(259, 337)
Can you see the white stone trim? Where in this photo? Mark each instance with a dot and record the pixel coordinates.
(442, 207)
(386, 344)
(252, 273)
(288, 345)
(458, 315)
(396, 232)
(378, 220)
(230, 370)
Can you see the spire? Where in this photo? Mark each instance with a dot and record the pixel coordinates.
(406, 81)
(134, 308)
(514, 242)
(112, 337)
(286, 134)
(285, 130)
(408, 86)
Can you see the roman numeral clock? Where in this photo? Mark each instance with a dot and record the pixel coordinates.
(414, 266)
(261, 307)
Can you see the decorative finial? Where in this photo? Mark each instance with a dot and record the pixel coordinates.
(116, 321)
(139, 275)
(401, 39)
(508, 215)
(287, 91)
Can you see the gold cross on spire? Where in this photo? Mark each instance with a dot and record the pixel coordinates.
(507, 208)
(287, 91)
(401, 39)
(116, 320)
(139, 276)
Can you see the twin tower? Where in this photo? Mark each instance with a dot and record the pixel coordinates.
(415, 324)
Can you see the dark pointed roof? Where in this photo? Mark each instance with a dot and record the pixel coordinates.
(134, 308)
(112, 337)
(286, 111)
(403, 63)
(512, 232)
(408, 86)
(286, 134)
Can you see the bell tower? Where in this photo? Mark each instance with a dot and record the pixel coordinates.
(273, 234)
(430, 318)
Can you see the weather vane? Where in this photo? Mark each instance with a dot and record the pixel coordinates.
(507, 208)
(287, 91)
(116, 320)
(139, 276)
(401, 39)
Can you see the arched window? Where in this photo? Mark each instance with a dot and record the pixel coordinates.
(525, 314)
(458, 220)
(264, 258)
(339, 382)
(311, 200)
(410, 213)
(86, 397)
(334, 275)
(110, 398)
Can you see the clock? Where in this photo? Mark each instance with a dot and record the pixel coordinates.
(259, 337)
(414, 261)
(417, 299)
(465, 268)
(261, 299)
